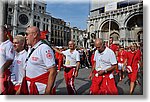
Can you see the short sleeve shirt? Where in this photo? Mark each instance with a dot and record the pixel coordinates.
(114, 47)
(18, 67)
(122, 56)
(6, 52)
(71, 58)
(40, 60)
(105, 59)
(132, 58)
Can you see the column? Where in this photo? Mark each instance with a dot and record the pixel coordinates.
(15, 18)
(32, 13)
(3, 12)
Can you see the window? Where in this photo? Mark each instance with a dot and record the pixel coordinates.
(52, 40)
(34, 23)
(38, 24)
(73, 36)
(39, 17)
(47, 27)
(52, 26)
(35, 5)
(34, 16)
(42, 8)
(43, 27)
(47, 20)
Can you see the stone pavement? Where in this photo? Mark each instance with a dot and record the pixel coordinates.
(82, 84)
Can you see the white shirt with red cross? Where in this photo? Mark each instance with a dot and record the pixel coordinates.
(17, 70)
(39, 62)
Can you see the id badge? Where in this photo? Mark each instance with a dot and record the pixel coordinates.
(67, 62)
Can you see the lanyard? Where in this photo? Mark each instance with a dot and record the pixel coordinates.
(32, 52)
(33, 49)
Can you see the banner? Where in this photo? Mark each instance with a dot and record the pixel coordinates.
(111, 6)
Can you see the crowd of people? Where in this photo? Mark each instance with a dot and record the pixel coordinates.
(29, 65)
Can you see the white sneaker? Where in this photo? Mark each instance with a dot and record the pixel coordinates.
(86, 67)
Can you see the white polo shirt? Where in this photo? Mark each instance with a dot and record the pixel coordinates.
(6, 52)
(71, 58)
(39, 62)
(105, 59)
(18, 67)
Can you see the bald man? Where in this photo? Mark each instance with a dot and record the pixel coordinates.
(40, 64)
(101, 73)
(72, 64)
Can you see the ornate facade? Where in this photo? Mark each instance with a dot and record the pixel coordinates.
(123, 20)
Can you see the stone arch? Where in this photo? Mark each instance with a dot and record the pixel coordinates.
(91, 30)
(107, 20)
(104, 29)
(134, 24)
(130, 16)
(115, 35)
(91, 27)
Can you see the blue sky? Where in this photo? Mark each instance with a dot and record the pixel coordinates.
(73, 11)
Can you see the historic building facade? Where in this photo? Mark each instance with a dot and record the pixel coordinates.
(60, 32)
(25, 13)
(120, 19)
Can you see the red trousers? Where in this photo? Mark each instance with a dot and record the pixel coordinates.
(108, 86)
(6, 86)
(96, 82)
(69, 79)
(103, 85)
